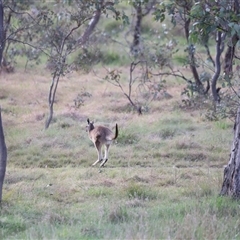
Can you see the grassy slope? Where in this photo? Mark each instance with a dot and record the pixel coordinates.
(162, 179)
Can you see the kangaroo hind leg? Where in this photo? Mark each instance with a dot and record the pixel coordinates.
(106, 155)
(98, 147)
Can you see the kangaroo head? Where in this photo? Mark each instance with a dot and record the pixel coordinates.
(90, 126)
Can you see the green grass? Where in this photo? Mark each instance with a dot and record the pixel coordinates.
(52, 203)
(162, 179)
(165, 169)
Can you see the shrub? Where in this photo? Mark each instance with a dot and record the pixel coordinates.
(114, 27)
(111, 58)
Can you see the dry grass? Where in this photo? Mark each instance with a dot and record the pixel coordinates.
(162, 179)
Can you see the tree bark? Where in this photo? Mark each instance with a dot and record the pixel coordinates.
(142, 10)
(3, 149)
(228, 60)
(137, 30)
(229, 55)
(52, 95)
(3, 157)
(191, 53)
(2, 38)
(219, 50)
(91, 26)
(231, 177)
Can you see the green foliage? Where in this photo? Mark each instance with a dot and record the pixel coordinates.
(214, 17)
(181, 60)
(226, 110)
(114, 27)
(159, 13)
(111, 58)
(87, 58)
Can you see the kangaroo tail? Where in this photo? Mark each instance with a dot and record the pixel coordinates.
(116, 132)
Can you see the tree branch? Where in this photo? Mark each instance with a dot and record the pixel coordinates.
(91, 26)
(219, 49)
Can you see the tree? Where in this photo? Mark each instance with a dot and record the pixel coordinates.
(142, 9)
(219, 21)
(180, 14)
(202, 22)
(3, 149)
(19, 20)
(184, 8)
(3, 156)
(231, 178)
(220, 18)
(63, 38)
(2, 38)
(42, 29)
(34, 29)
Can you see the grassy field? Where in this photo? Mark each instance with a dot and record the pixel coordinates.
(162, 179)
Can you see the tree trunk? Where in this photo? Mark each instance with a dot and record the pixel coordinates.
(91, 26)
(219, 50)
(3, 149)
(137, 30)
(52, 95)
(231, 177)
(2, 38)
(191, 54)
(142, 10)
(3, 157)
(229, 55)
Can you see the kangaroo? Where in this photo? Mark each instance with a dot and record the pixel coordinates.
(100, 136)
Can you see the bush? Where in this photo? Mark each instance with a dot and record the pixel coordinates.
(111, 58)
(114, 27)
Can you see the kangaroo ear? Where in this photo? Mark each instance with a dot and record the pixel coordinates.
(88, 121)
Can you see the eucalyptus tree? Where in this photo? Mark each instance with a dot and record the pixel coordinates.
(2, 35)
(3, 154)
(231, 175)
(3, 149)
(70, 29)
(55, 29)
(179, 13)
(63, 37)
(220, 21)
(142, 9)
(216, 21)
(19, 19)
(204, 22)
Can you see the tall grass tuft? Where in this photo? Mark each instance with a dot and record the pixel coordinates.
(140, 192)
(118, 215)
